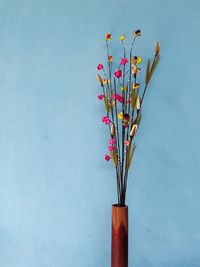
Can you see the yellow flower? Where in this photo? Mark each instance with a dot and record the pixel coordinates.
(120, 115)
(139, 60)
(136, 60)
(123, 88)
(122, 38)
(136, 86)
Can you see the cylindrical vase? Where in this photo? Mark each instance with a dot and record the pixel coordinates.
(119, 246)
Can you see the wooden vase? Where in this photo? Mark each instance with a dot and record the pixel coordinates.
(119, 246)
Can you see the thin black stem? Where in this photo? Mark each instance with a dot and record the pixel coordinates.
(123, 111)
(117, 130)
(128, 111)
(118, 185)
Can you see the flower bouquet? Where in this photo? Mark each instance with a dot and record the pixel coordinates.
(123, 99)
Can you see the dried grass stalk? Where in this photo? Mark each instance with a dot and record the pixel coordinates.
(114, 157)
(148, 72)
(107, 104)
(99, 80)
(131, 153)
(133, 99)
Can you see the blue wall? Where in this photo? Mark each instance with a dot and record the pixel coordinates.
(56, 190)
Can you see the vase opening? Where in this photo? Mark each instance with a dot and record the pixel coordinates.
(119, 206)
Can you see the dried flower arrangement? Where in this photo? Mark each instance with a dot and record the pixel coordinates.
(123, 110)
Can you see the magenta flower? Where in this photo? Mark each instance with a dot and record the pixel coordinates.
(100, 97)
(107, 157)
(106, 120)
(118, 97)
(124, 61)
(100, 67)
(110, 148)
(112, 141)
(118, 73)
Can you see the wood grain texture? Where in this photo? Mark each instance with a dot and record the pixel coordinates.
(119, 249)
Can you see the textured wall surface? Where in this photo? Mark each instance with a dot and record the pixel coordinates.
(56, 190)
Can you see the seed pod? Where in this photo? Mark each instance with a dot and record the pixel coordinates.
(157, 48)
(133, 130)
(112, 130)
(138, 103)
(112, 103)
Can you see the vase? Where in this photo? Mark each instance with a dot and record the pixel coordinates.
(119, 239)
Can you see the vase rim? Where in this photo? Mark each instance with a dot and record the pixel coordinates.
(119, 206)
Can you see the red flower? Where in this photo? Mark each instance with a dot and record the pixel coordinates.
(124, 61)
(106, 120)
(100, 67)
(118, 73)
(100, 97)
(107, 157)
(108, 36)
(110, 148)
(118, 97)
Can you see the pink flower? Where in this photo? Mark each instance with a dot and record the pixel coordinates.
(112, 141)
(106, 120)
(100, 67)
(118, 97)
(110, 148)
(127, 143)
(100, 97)
(118, 73)
(124, 61)
(107, 157)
